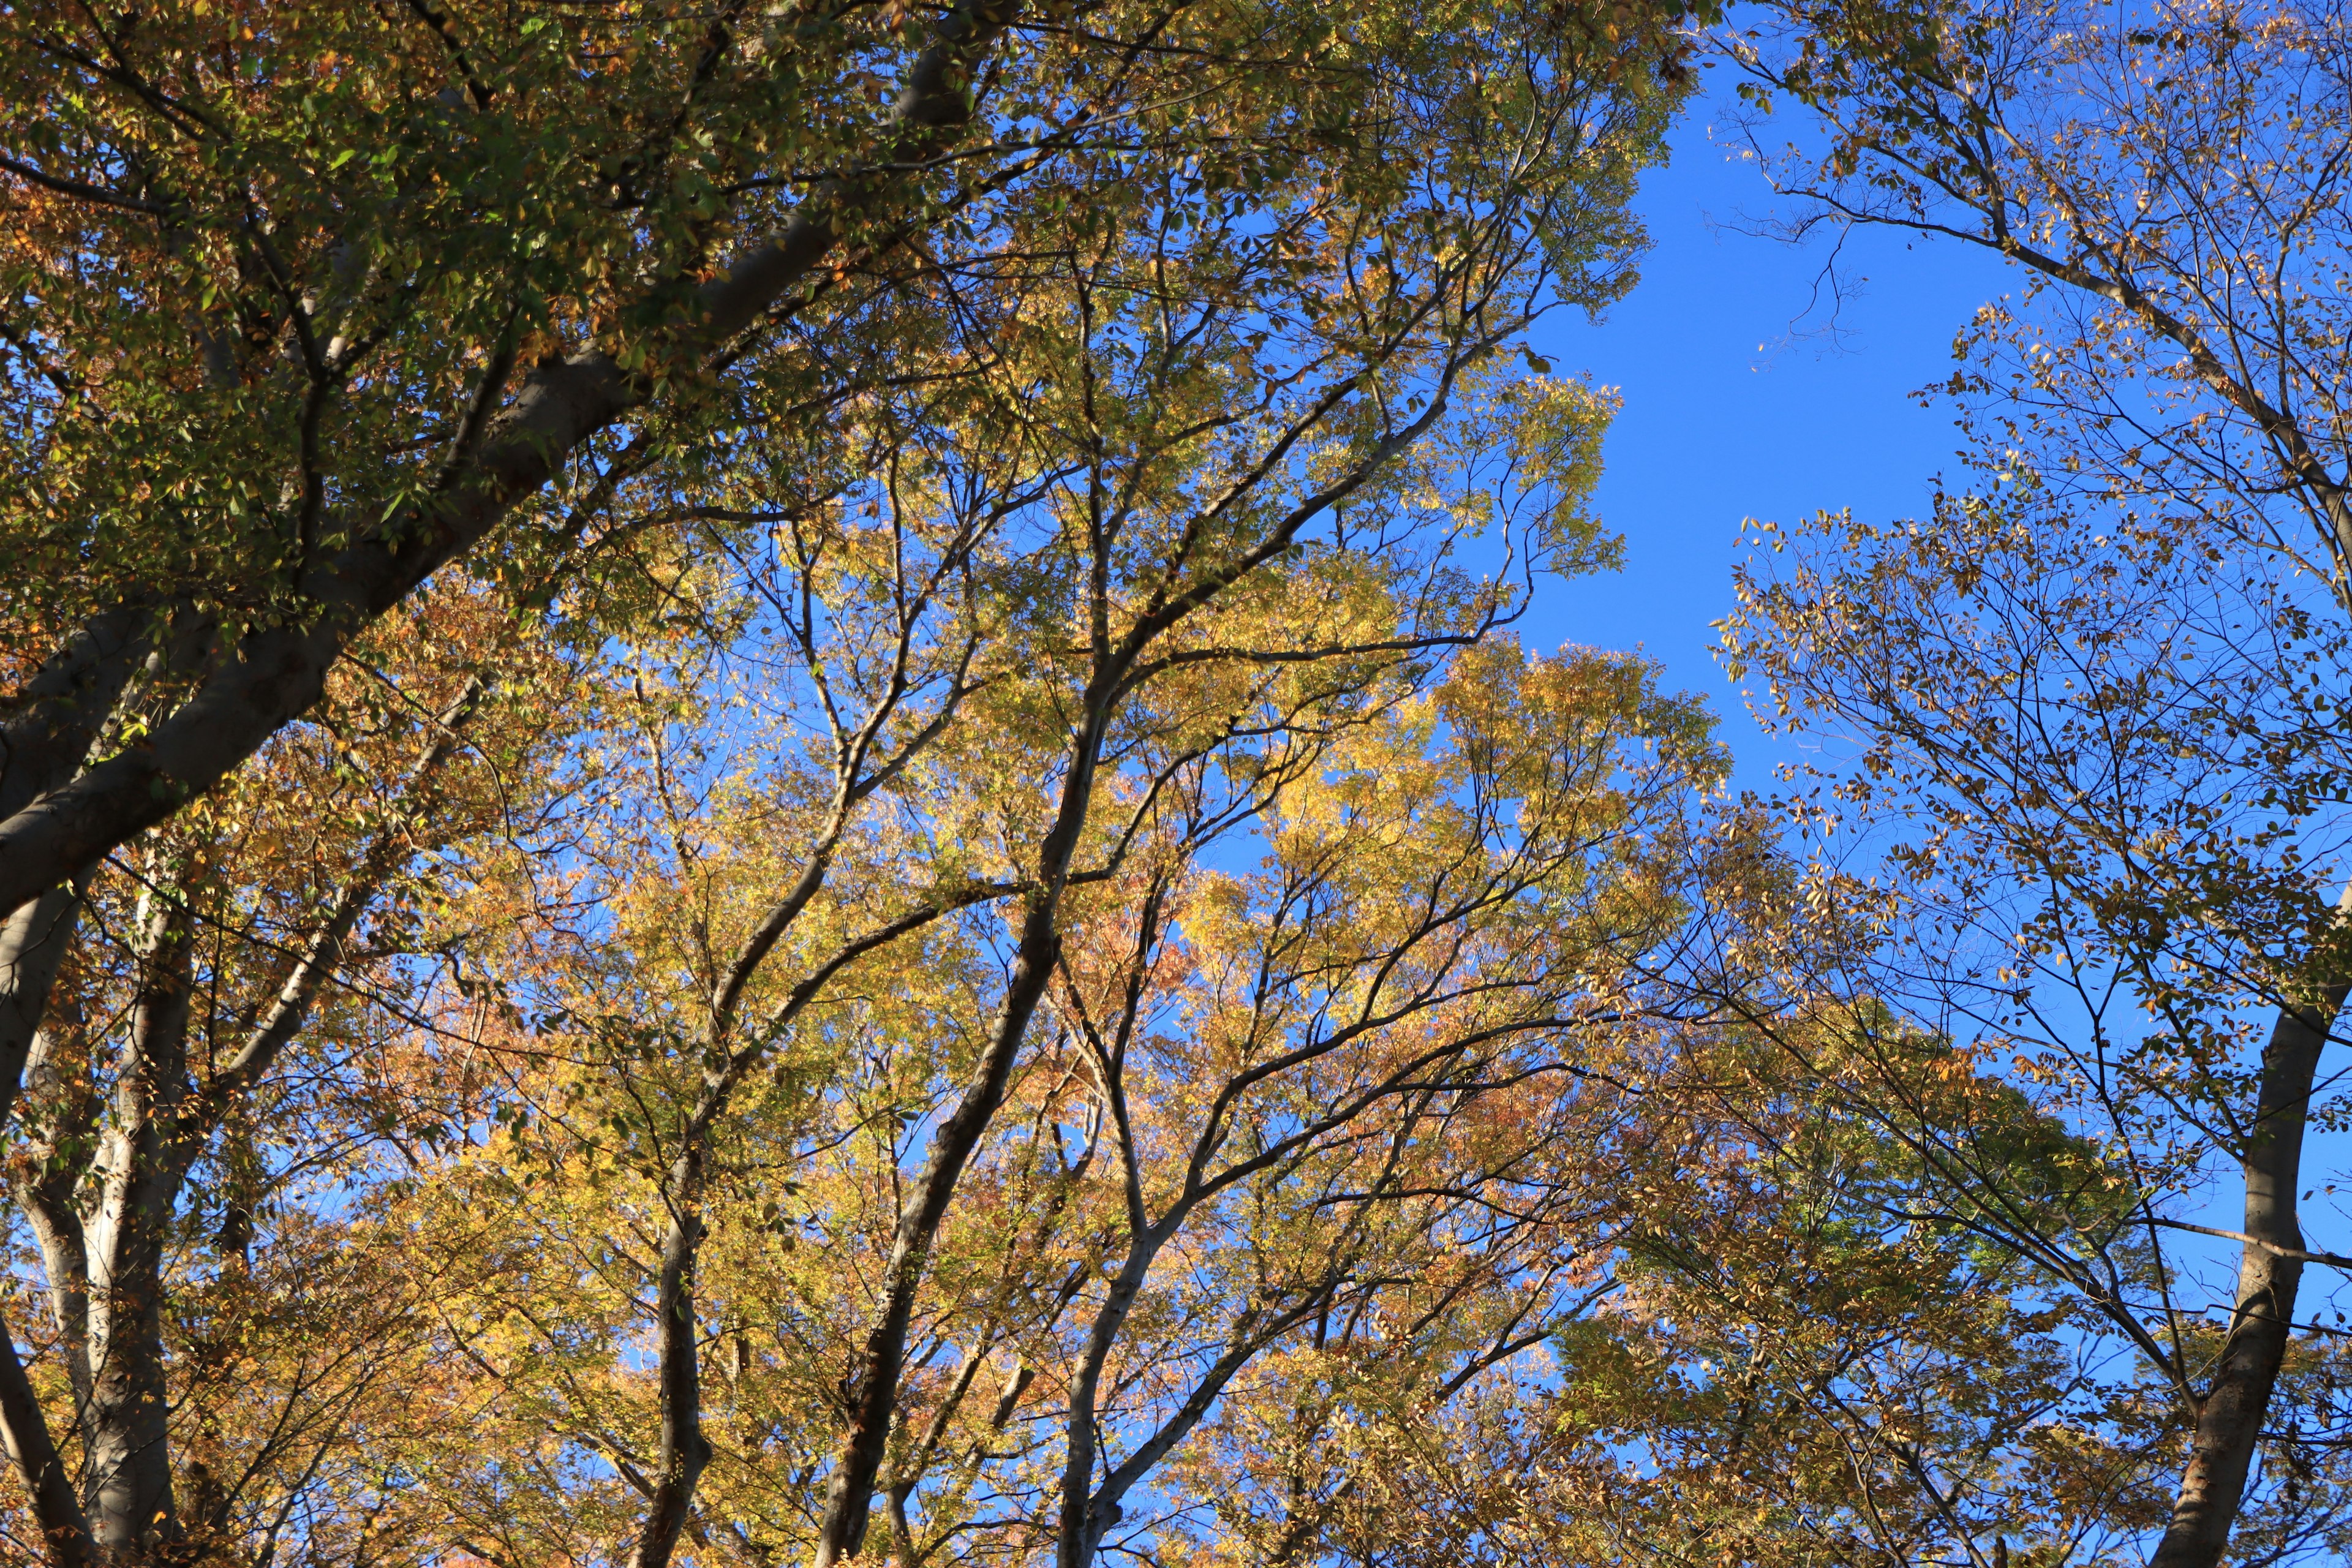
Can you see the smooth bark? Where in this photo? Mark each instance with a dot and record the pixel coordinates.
(33, 944)
(56, 1512)
(142, 1155)
(2229, 1417)
(105, 1260)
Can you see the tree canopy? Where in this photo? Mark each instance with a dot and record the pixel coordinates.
(771, 793)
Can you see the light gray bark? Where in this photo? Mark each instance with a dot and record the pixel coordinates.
(142, 1155)
(61, 1123)
(33, 944)
(56, 1512)
(104, 1254)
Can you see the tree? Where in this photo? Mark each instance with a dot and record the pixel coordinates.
(202, 1086)
(1142, 382)
(2096, 691)
(405, 266)
(308, 308)
(1307, 1134)
(1028, 759)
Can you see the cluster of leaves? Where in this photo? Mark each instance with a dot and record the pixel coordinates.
(2093, 823)
(771, 801)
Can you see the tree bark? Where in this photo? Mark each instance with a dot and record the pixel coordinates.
(2230, 1418)
(60, 1120)
(684, 1451)
(61, 816)
(66, 701)
(841, 1528)
(56, 1512)
(32, 945)
(130, 1499)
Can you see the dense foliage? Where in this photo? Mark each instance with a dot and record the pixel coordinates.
(768, 797)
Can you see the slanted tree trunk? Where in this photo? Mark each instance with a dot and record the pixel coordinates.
(58, 815)
(2230, 1416)
(2066, 154)
(33, 944)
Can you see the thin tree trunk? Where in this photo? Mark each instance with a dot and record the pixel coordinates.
(684, 1451)
(1088, 1514)
(1085, 1517)
(56, 1512)
(59, 1120)
(105, 1264)
(841, 1528)
(2230, 1418)
(874, 1388)
(31, 948)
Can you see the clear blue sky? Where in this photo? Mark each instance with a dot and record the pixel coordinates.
(1737, 406)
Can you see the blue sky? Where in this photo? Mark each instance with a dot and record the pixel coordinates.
(1738, 405)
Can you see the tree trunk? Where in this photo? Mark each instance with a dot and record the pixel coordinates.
(140, 1164)
(2230, 1421)
(58, 817)
(684, 1451)
(874, 1395)
(32, 944)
